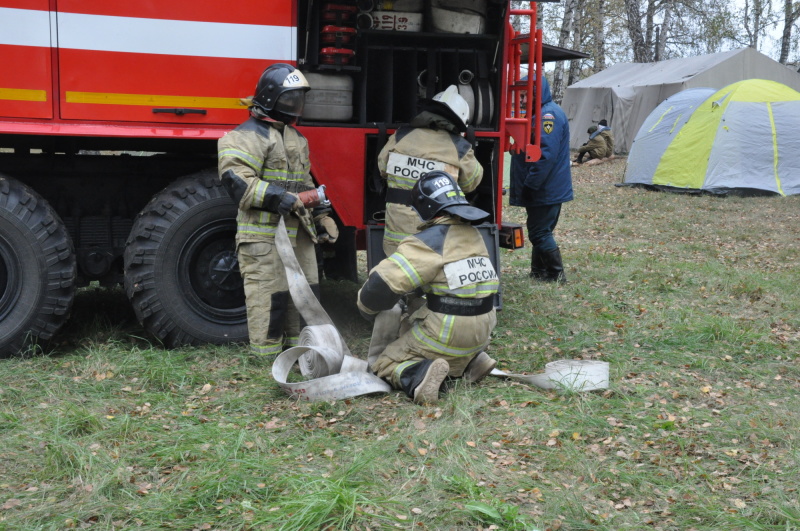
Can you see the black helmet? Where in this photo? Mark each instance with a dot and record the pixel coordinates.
(437, 191)
(280, 93)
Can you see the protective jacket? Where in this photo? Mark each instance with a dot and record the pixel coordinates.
(547, 181)
(449, 261)
(608, 136)
(428, 143)
(252, 159)
(596, 147)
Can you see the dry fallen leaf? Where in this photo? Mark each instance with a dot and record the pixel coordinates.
(10, 504)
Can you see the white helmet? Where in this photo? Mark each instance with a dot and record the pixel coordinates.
(456, 105)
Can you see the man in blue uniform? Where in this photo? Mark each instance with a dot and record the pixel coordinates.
(542, 187)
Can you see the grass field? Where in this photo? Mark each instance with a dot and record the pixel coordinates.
(694, 302)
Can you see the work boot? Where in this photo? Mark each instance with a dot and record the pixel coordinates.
(427, 392)
(479, 368)
(538, 271)
(554, 268)
(422, 380)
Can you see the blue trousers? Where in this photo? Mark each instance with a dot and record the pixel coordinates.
(542, 221)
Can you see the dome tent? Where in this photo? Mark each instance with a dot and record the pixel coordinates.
(744, 138)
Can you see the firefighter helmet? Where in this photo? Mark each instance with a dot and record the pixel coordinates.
(451, 105)
(280, 92)
(437, 191)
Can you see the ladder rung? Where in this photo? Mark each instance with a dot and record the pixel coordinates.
(525, 37)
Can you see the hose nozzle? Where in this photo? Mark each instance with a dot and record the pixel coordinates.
(314, 197)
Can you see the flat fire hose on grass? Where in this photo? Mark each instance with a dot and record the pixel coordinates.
(332, 372)
(568, 375)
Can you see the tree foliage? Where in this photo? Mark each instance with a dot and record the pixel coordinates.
(613, 31)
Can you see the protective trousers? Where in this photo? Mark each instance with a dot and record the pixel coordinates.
(421, 339)
(272, 319)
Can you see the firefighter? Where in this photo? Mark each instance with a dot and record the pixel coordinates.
(431, 141)
(264, 165)
(449, 261)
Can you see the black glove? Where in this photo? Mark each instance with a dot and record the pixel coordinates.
(279, 201)
(289, 203)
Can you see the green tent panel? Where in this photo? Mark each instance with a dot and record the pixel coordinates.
(743, 137)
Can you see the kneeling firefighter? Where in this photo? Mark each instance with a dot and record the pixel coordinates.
(448, 260)
(265, 166)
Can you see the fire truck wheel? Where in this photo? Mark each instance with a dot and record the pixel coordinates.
(181, 271)
(37, 270)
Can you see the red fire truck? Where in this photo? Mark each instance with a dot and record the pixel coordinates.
(110, 113)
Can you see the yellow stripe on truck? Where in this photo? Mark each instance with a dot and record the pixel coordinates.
(152, 100)
(23, 94)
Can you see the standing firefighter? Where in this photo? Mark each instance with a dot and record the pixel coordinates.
(264, 164)
(449, 261)
(432, 141)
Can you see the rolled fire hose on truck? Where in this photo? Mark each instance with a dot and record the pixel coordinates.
(333, 373)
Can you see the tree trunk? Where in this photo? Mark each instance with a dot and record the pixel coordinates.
(788, 21)
(599, 33)
(661, 41)
(650, 29)
(755, 19)
(566, 29)
(633, 13)
(577, 38)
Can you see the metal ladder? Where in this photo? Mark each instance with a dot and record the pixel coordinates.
(526, 132)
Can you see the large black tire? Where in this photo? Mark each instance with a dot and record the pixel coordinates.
(37, 269)
(181, 271)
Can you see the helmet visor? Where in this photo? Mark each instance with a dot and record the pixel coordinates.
(291, 102)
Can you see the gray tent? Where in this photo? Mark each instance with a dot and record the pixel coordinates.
(626, 93)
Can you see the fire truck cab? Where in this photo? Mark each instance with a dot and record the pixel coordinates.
(110, 113)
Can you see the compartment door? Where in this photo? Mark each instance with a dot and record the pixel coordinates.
(26, 79)
(170, 61)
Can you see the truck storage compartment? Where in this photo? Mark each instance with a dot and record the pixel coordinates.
(400, 53)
